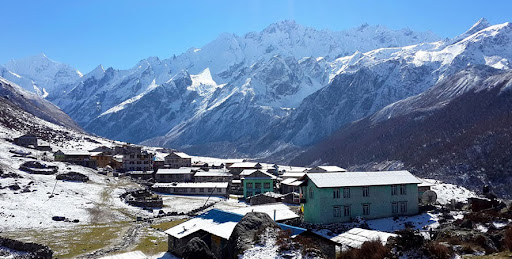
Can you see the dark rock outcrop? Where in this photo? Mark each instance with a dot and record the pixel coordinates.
(34, 250)
(73, 176)
(35, 167)
(197, 248)
(248, 230)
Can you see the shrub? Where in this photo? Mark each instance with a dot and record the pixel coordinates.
(508, 238)
(369, 250)
(407, 239)
(438, 251)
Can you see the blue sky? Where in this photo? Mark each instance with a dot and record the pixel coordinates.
(120, 33)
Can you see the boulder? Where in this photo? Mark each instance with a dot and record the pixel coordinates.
(14, 187)
(73, 176)
(34, 250)
(247, 231)
(197, 248)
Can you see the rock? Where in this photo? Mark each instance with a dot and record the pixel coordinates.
(58, 218)
(73, 176)
(34, 250)
(466, 223)
(76, 221)
(197, 248)
(247, 230)
(14, 187)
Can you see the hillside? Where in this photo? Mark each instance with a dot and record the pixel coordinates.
(458, 131)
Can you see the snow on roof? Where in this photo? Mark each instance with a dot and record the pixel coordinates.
(79, 152)
(217, 222)
(293, 174)
(192, 185)
(183, 170)
(355, 237)
(182, 155)
(292, 182)
(213, 173)
(362, 178)
(128, 255)
(248, 172)
(283, 212)
(327, 168)
(244, 165)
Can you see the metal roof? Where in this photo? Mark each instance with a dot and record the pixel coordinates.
(355, 237)
(323, 180)
(248, 172)
(244, 165)
(192, 185)
(217, 222)
(213, 173)
(75, 152)
(327, 168)
(184, 170)
(182, 155)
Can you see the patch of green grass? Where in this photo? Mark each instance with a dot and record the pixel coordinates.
(167, 225)
(151, 244)
(72, 242)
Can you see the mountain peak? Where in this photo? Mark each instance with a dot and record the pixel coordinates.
(283, 26)
(478, 26)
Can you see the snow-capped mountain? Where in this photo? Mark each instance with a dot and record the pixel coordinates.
(233, 88)
(281, 89)
(458, 131)
(40, 75)
(363, 83)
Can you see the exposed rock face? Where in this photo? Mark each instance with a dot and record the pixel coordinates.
(457, 132)
(73, 176)
(247, 230)
(197, 248)
(34, 250)
(35, 167)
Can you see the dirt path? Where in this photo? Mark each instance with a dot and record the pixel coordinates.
(128, 240)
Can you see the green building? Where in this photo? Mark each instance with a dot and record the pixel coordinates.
(339, 197)
(256, 182)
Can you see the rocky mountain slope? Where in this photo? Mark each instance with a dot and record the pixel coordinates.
(34, 104)
(458, 131)
(274, 92)
(253, 80)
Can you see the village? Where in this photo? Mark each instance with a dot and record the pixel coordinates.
(322, 211)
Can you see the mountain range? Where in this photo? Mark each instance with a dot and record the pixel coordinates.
(294, 93)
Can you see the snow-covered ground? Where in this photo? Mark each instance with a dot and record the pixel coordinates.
(446, 192)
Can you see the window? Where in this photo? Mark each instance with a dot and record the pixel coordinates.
(366, 209)
(403, 190)
(393, 189)
(218, 189)
(310, 193)
(201, 189)
(346, 211)
(257, 185)
(403, 207)
(336, 193)
(192, 189)
(336, 210)
(366, 191)
(266, 185)
(394, 207)
(249, 185)
(210, 189)
(346, 192)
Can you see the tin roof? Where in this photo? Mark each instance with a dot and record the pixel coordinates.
(323, 180)
(217, 222)
(184, 170)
